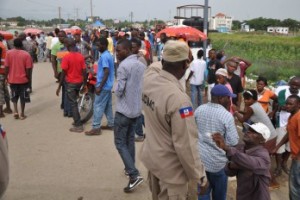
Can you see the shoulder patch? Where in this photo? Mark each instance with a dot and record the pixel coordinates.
(2, 132)
(186, 112)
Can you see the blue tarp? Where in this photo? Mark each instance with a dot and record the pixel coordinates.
(97, 24)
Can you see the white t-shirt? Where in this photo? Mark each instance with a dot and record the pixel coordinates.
(54, 41)
(284, 115)
(198, 67)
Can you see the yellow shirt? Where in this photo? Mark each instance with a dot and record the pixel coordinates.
(110, 46)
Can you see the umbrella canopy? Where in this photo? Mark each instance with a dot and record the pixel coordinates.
(32, 31)
(97, 24)
(72, 31)
(188, 32)
(7, 35)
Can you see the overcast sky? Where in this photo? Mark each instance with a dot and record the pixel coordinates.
(146, 9)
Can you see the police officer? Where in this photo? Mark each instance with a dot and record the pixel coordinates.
(170, 151)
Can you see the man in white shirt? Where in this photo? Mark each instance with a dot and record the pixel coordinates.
(283, 153)
(196, 77)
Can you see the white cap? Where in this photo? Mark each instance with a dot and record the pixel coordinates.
(259, 128)
(222, 72)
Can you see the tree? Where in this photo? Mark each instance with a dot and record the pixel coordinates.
(292, 24)
(236, 25)
(21, 24)
(18, 19)
(263, 23)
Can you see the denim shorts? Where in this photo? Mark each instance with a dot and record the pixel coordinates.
(19, 91)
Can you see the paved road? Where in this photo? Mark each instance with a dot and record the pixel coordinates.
(47, 162)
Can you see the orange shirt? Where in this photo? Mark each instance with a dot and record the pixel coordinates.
(264, 99)
(293, 129)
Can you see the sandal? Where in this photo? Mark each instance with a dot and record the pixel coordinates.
(23, 117)
(16, 115)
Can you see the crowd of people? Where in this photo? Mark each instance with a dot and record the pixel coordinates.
(190, 107)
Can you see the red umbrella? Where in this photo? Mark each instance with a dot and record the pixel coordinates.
(7, 35)
(33, 31)
(188, 32)
(72, 31)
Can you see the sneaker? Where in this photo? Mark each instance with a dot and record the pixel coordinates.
(77, 129)
(139, 138)
(126, 173)
(111, 128)
(94, 131)
(133, 184)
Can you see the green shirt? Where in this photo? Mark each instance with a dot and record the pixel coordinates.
(59, 50)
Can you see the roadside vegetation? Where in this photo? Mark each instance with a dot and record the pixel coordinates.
(274, 56)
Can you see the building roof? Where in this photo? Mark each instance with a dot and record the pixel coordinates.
(220, 15)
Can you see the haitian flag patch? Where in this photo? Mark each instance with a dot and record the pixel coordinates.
(2, 132)
(186, 112)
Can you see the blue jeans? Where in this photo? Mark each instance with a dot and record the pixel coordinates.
(103, 104)
(124, 141)
(196, 95)
(294, 180)
(217, 186)
(65, 101)
(139, 125)
(95, 52)
(72, 94)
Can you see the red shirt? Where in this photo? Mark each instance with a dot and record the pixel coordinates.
(73, 64)
(148, 49)
(18, 61)
(3, 54)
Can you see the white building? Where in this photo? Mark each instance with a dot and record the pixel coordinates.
(10, 23)
(221, 23)
(280, 30)
(245, 27)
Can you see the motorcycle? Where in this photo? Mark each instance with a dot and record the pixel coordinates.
(87, 97)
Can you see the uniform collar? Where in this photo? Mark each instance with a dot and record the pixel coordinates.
(171, 78)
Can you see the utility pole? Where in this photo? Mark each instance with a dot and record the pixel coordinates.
(59, 15)
(77, 15)
(205, 26)
(131, 16)
(91, 1)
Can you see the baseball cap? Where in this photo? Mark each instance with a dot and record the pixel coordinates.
(259, 128)
(221, 91)
(77, 32)
(175, 51)
(222, 72)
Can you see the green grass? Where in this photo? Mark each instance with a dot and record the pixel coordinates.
(275, 57)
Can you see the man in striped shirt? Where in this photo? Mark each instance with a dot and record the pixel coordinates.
(211, 118)
(128, 108)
